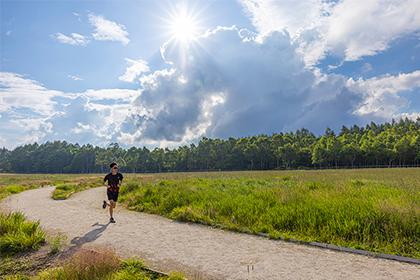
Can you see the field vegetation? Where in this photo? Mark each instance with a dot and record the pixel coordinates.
(19, 235)
(373, 209)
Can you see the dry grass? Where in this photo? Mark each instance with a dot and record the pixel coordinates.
(98, 263)
(86, 264)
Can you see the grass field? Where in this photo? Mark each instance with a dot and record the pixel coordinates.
(372, 209)
(376, 210)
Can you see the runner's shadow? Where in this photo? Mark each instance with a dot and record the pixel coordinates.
(89, 236)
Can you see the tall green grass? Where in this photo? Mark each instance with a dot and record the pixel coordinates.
(19, 235)
(360, 213)
(65, 190)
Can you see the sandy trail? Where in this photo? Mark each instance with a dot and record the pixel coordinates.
(199, 251)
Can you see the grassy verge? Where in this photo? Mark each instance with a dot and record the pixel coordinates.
(377, 215)
(65, 190)
(19, 235)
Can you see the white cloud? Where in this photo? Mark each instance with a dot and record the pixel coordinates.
(411, 116)
(31, 112)
(79, 17)
(347, 28)
(294, 16)
(126, 95)
(377, 23)
(80, 128)
(17, 91)
(75, 77)
(74, 39)
(134, 69)
(367, 67)
(106, 30)
(382, 97)
(235, 86)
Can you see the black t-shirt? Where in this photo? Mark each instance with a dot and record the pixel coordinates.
(113, 181)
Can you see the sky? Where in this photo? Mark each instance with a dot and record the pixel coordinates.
(166, 73)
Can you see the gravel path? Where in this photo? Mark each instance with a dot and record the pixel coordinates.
(199, 251)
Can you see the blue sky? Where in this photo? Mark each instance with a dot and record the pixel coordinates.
(30, 50)
(165, 73)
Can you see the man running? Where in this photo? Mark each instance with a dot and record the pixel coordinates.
(114, 179)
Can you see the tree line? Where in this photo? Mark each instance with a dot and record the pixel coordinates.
(389, 144)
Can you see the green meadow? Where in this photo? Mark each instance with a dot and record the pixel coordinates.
(375, 209)
(371, 209)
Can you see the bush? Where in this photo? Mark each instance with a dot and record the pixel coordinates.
(129, 187)
(64, 191)
(18, 234)
(132, 269)
(56, 243)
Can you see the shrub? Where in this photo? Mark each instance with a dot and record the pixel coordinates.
(64, 191)
(132, 269)
(18, 235)
(129, 187)
(176, 276)
(56, 243)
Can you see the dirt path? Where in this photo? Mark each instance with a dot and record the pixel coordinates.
(201, 252)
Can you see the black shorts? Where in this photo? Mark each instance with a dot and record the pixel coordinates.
(112, 195)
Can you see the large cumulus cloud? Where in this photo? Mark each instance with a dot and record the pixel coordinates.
(229, 82)
(234, 83)
(346, 28)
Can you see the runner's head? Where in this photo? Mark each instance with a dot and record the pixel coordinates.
(114, 167)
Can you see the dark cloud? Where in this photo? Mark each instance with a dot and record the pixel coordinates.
(230, 83)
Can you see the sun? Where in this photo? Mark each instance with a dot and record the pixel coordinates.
(184, 28)
(183, 23)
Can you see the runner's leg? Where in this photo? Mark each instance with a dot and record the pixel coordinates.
(111, 207)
